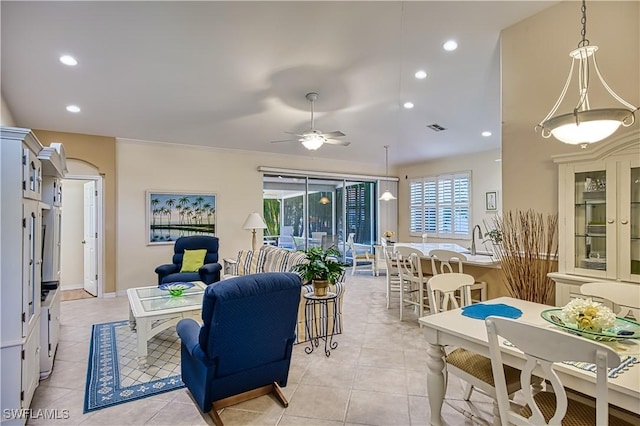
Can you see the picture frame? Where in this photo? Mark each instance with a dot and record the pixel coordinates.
(491, 201)
(173, 214)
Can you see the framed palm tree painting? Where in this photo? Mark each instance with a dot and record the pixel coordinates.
(171, 215)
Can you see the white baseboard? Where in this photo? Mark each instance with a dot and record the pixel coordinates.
(109, 295)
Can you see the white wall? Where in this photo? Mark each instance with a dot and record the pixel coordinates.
(486, 176)
(232, 175)
(72, 250)
(6, 118)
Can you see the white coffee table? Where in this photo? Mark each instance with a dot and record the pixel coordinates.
(152, 311)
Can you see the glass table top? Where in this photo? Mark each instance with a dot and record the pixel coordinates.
(155, 299)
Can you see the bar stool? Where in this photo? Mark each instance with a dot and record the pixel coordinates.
(393, 275)
(413, 283)
(446, 258)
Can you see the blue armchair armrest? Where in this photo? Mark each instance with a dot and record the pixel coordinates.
(210, 272)
(188, 330)
(164, 270)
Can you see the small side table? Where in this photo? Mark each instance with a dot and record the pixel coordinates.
(319, 321)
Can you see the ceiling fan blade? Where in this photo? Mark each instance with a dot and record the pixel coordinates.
(295, 134)
(284, 140)
(336, 134)
(337, 142)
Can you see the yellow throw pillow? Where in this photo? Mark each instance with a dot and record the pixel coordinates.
(193, 260)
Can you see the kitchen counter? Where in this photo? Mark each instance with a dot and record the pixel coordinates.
(482, 266)
(479, 259)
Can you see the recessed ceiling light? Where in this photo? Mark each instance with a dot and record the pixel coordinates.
(408, 105)
(68, 60)
(498, 160)
(486, 134)
(73, 108)
(421, 74)
(450, 45)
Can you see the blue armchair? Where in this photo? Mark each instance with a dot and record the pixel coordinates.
(208, 273)
(243, 348)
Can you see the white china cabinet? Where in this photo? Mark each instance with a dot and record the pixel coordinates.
(599, 212)
(21, 257)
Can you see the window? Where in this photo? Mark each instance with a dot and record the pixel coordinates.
(441, 205)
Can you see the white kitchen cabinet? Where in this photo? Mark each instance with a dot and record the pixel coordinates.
(599, 216)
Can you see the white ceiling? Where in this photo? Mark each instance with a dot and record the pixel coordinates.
(235, 74)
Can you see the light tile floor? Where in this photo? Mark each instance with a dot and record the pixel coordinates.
(376, 376)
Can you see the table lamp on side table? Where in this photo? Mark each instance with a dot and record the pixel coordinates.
(254, 221)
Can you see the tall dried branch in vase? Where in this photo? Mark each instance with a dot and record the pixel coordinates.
(528, 252)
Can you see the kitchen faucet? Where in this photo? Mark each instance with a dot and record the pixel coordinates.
(473, 239)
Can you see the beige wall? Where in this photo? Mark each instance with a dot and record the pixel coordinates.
(485, 176)
(6, 118)
(231, 175)
(535, 65)
(100, 152)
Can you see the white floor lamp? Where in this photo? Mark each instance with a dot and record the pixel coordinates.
(254, 221)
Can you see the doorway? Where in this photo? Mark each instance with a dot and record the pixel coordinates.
(81, 247)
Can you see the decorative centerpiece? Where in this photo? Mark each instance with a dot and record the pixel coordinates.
(321, 269)
(588, 315)
(592, 320)
(175, 289)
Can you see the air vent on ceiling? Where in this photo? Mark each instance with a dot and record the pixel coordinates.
(436, 127)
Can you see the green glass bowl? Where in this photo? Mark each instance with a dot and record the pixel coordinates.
(175, 289)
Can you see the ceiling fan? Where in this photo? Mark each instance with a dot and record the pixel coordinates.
(313, 138)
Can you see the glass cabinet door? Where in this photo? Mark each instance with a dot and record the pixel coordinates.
(590, 220)
(634, 221)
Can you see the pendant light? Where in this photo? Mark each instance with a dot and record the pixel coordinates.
(386, 195)
(585, 125)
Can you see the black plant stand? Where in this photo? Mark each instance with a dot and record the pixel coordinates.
(317, 320)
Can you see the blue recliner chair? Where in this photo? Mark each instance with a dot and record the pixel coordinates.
(208, 273)
(243, 349)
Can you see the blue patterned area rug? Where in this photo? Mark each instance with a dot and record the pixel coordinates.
(113, 376)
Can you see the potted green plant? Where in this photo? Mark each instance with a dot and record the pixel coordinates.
(321, 269)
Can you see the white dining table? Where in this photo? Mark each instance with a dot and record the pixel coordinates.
(453, 328)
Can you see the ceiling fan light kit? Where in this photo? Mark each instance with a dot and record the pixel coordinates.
(313, 139)
(585, 125)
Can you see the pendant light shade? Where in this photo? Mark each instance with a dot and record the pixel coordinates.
(586, 125)
(386, 195)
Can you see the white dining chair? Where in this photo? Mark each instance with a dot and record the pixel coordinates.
(413, 283)
(362, 257)
(625, 296)
(543, 347)
(446, 259)
(473, 368)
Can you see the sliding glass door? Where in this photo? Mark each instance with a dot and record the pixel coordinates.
(303, 212)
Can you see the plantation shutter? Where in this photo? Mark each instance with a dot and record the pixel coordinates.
(416, 217)
(441, 205)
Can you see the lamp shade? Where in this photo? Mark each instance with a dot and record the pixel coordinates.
(254, 221)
